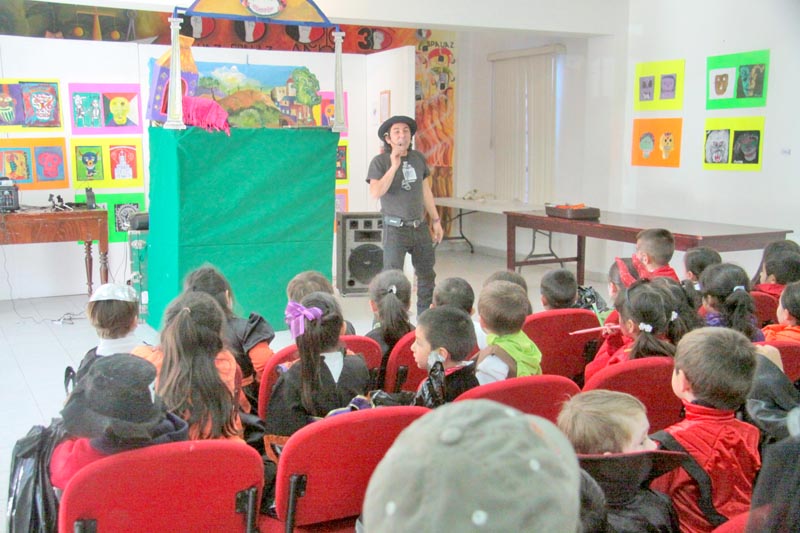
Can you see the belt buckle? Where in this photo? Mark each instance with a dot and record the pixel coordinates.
(415, 223)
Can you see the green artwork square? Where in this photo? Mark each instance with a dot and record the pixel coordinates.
(737, 80)
(120, 207)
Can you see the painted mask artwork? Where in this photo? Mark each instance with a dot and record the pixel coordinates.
(89, 160)
(668, 86)
(119, 107)
(665, 144)
(745, 146)
(16, 165)
(751, 81)
(50, 164)
(717, 142)
(720, 84)
(646, 144)
(41, 104)
(646, 88)
(10, 105)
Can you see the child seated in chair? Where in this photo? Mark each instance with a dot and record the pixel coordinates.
(112, 410)
(559, 289)
(608, 430)
(513, 277)
(778, 270)
(714, 370)
(445, 337)
(696, 260)
(458, 293)
(113, 310)
(310, 281)
(390, 300)
(788, 326)
(654, 250)
(503, 307)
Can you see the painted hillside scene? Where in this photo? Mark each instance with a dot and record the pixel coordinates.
(261, 96)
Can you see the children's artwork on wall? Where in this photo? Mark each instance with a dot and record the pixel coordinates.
(323, 113)
(659, 85)
(340, 203)
(120, 207)
(108, 163)
(261, 96)
(342, 176)
(29, 105)
(110, 109)
(737, 80)
(733, 143)
(657, 142)
(35, 163)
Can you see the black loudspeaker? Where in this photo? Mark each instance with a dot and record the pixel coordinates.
(359, 251)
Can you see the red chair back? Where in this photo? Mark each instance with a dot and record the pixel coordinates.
(402, 372)
(790, 357)
(766, 308)
(325, 467)
(369, 348)
(187, 486)
(535, 395)
(271, 375)
(562, 353)
(650, 380)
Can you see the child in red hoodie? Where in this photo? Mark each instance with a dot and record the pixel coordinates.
(778, 270)
(654, 249)
(788, 328)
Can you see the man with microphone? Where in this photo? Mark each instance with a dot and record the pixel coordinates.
(398, 177)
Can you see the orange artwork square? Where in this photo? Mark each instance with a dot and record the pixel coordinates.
(656, 142)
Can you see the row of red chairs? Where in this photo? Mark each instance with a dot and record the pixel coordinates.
(215, 485)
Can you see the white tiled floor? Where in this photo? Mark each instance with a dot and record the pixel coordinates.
(35, 348)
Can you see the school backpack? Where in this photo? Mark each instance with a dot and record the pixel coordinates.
(32, 501)
(72, 376)
(589, 298)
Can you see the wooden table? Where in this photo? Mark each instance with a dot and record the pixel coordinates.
(39, 226)
(624, 227)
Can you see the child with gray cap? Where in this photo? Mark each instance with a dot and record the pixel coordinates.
(113, 310)
(475, 465)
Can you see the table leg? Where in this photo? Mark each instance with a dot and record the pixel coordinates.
(511, 243)
(461, 230)
(581, 264)
(103, 267)
(87, 245)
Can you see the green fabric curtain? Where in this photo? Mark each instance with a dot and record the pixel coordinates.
(259, 205)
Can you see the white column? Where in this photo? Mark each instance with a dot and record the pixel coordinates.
(175, 96)
(338, 109)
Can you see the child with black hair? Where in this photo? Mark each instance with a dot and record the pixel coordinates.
(654, 250)
(112, 410)
(774, 247)
(513, 277)
(390, 300)
(643, 319)
(324, 379)
(310, 281)
(714, 370)
(683, 316)
(445, 335)
(247, 339)
(458, 293)
(779, 269)
(727, 300)
(696, 260)
(113, 310)
(788, 326)
(559, 289)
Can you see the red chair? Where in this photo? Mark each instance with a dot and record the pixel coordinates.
(562, 353)
(369, 348)
(271, 375)
(402, 372)
(790, 357)
(325, 467)
(766, 308)
(535, 395)
(650, 380)
(205, 485)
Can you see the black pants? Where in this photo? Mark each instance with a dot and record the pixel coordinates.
(397, 242)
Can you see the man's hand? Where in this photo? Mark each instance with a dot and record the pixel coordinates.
(438, 232)
(399, 150)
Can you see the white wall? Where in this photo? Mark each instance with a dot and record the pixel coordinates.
(54, 269)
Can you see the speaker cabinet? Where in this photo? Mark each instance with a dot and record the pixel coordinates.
(359, 251)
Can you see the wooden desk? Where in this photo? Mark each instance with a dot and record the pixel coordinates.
(624, 227)
(28, 227)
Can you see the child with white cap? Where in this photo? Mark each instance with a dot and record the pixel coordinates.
(476, 465)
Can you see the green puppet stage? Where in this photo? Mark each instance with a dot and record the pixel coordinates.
(259, 205)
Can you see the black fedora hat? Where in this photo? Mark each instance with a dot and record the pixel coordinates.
(397, 119)
(116, 398)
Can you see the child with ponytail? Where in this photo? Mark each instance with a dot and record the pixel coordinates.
(682, 314)
(727, 300)
(324, 379)
(196, 375)
(643, 319)
(390, 300)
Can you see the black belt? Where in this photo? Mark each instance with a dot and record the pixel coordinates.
(397, 222)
